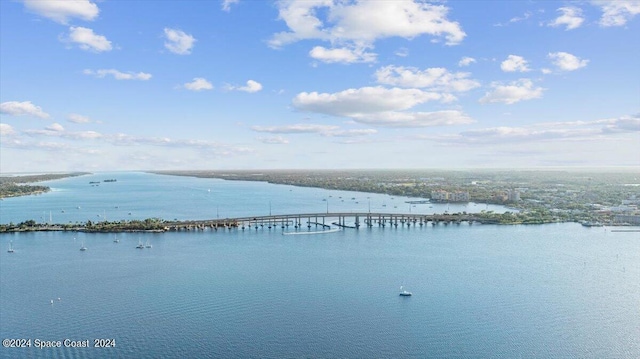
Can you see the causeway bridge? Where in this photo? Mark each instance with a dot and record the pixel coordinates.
(340, 219)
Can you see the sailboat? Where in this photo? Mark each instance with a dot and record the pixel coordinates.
(404, 293)
(83, 248)
(147, 245)
(140, 245)
(115, 239)
(10, 250)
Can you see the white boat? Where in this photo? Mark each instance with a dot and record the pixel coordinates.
(147, 245)
(115, 239)
(83, 248)
(140, 245)
(404, 293)
(10, 250)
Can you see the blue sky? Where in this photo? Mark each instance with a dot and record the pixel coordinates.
(129, 85)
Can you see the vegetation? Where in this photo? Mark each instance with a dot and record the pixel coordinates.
(13, 186)
(545, 196)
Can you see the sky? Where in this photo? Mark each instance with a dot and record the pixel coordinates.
(88, 85)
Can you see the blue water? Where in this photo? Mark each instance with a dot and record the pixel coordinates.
(142, 195)
(480, 291)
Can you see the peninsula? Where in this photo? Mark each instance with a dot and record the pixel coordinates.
(14, 186)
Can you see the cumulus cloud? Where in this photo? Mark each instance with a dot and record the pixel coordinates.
(178, 42)
(87, 40)
(571, 18)
(381, 106)
(25, 108)
(466, 61)
(226, 4)
(118, 75)
(6, 130)
(566, 61)
(350, 102)
(55, 127)
(62, 11)
(343, 24)
(198, 84)
(341, 55)
(514, 63)
(251, 87)
(513, 92)
(438, 79)
(618, 12)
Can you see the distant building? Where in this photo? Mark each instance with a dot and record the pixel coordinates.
(633, 219)
(444, 196)
(513, 196)
(439, 196)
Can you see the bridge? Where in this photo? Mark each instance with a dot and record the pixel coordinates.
(341, 219)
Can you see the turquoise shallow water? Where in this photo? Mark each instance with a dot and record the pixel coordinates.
(480, 291)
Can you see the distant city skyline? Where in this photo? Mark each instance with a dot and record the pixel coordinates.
(234, 84)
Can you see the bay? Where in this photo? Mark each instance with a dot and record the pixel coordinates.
(480, 291)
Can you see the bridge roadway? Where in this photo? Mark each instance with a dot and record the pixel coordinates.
(342, 219)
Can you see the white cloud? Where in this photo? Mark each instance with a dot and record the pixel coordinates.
(198, 84)
(277, 140)
(15, 108)
(88, 40)
(118, 75)
(618, 12)
(302, 128)
(342, 55)
(6, 130)
(514, 63)
(251, 87)
(622, 124)
(438, 79)
(75, 118)
(566, 61)
(413, 119)
(402, 52)
(226, 4)
(548, 131)
(297, 128)
(178, 41)
(380, 106)
(513, 92)
(56, 127)
(62, 11)
(466, 61)
(571, 17)
(516, 19)
(344, 24)
(351, 102)
(546, 71)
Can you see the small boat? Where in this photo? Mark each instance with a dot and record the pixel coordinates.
(140, 245)
(404, 293)
(10, 250)
(83, 248)
(116, 240)
(148, 245)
